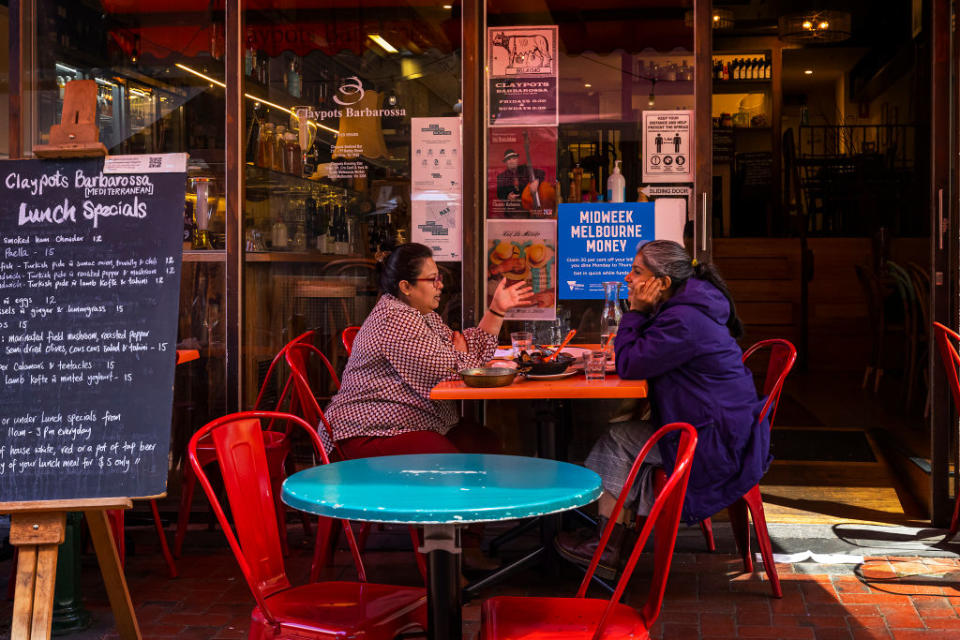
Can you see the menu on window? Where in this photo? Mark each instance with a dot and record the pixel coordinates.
(89, 290)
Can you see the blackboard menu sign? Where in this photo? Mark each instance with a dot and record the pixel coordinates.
(755, 169)
(722, 145)
(89, 289)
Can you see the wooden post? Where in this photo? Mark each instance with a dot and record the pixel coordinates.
(37, 529)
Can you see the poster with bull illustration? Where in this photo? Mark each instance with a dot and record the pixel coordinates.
(522, 64)
(524, 250)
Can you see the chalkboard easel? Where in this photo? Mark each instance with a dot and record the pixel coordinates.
(37, 528)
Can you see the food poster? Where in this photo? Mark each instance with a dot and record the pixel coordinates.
(522, 66)
(436, 190)
(667, 146)
(521, 172)
(524, 250)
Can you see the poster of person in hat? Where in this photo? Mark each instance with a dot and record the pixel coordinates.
(522, 173)
(524, 250)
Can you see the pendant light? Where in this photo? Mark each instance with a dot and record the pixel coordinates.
(815, 26)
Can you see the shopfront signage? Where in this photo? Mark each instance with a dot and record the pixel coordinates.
(667, 146)
(597, 244)
(524, 250)
(89, 297)
(522, 66)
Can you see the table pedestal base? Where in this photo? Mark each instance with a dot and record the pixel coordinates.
(441, 543)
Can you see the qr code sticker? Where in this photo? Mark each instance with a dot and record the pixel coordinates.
(155, 162)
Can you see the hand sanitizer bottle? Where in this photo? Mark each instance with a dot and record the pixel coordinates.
(616, 185)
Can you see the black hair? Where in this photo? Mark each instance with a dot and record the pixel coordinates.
(667, 258)
(403, 263)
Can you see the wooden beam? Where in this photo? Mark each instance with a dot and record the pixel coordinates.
(702, 205)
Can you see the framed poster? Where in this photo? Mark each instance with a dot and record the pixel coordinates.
(667, 146)
(521, 173)
(436, 186)
(524, 250)
(522, 76)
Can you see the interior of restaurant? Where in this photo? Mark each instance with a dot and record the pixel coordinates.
(821, 151)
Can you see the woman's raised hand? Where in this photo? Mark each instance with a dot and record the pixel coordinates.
(645, 296)
(516, 295)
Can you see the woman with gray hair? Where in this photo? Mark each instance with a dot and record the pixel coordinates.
(680, 334)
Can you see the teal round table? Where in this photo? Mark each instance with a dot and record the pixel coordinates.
(441, 492)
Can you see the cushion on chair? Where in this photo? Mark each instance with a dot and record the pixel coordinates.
(337, 608)
(513, 618)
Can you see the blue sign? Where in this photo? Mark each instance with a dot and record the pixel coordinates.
(596, 242)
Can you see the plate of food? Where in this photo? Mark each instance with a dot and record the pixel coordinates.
(541, 363)
(553, 376)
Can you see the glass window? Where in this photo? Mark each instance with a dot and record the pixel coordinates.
(156, 66)
(611, 62)
(344, 100)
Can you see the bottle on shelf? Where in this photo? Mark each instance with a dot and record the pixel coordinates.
(279, 149)
(266, 146)
(279, 235)
(725, 75)
(294, 79)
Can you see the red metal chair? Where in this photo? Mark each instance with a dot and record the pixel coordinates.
(278, 448)
(946, 340)
(324, 610)
(782, 357)
(297, 359)
(347, 337)
(581, 617)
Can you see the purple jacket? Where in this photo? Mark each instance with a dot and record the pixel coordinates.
(695, 372)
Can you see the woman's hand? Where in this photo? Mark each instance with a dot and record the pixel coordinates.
(645, 296)
(516, 295)
(459, 342)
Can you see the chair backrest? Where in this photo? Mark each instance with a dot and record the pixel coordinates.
(347, 337)
(946, 344)
(304, 338)
(304, 399)
(663, 521)
(241, 455)
(782, 357)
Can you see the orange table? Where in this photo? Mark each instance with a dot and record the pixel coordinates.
(186, 355)
(570, 388)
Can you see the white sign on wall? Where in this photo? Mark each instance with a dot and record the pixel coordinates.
(436, 186)
(667, 146)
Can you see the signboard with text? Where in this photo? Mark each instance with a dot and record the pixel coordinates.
(522, 67)
(597, 243)
(89, 293)
(667, 146)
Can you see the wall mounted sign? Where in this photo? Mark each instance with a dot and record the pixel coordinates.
(597, 243)
(436, 186)
(522, 64)
(667, 146)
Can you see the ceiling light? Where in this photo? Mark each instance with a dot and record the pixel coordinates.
(448, 6)
(721, 18)
(808, 72)
(813, 27)
(587, 85)
(386, 46)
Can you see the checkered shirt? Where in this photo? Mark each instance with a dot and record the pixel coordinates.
(398, 356)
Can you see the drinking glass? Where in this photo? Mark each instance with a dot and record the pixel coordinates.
(521, 341)
(595, 366)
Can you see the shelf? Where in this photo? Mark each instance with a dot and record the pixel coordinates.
(296, 256)
(743, 129)
(741, 86)
(210, 255)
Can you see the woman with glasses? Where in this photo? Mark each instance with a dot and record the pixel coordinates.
(401, 352)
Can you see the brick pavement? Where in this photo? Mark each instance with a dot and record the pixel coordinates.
(707, 597)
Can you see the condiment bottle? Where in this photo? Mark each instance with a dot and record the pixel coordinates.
(265, 146)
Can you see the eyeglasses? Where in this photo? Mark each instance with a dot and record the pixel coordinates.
(437, 280)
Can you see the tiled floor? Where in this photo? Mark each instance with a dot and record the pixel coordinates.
(707, 597)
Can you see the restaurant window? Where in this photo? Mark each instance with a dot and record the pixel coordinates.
(567, 90)
(155, 65)
(352, 145)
